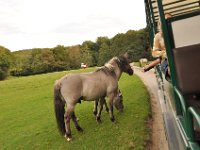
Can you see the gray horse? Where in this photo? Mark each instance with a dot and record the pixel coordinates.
(73, 88)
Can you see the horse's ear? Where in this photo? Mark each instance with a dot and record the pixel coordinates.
(126, 55)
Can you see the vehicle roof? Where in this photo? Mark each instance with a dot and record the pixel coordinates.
(175, 7)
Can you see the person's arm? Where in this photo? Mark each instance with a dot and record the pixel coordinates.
(151, 65)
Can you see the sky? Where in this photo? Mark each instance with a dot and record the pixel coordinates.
(26, 24)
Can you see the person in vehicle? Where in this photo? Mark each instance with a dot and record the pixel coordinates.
(159, 51)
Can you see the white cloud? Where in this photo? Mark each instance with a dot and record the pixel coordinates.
(47, 23)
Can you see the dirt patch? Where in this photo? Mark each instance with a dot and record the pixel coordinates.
(158, 138)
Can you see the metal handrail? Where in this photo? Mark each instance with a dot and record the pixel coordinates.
(195, 114)
(181, 98)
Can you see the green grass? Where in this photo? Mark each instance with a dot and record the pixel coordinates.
(27, 117)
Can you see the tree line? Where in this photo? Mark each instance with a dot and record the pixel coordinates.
(43, 60)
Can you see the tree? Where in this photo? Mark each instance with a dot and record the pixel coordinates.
(41, 60)
(138, 45)
(61, 57)
(104, 54)
(87, 53)
(134, 42)
(118, 44)
(75, 57)
(21, 63)
(5, 62)
(48, 60)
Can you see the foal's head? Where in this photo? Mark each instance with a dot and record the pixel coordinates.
(124, 64)
(118, 102)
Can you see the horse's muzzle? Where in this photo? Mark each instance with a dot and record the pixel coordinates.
(130, 71)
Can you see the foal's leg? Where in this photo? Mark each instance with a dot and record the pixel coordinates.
(74, 118)
(95, 106)
(98, 117)
(67, 117)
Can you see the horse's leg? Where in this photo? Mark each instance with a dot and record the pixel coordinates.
(98, 117)
(105, 103)
(75, 120)
(67, 117)
(111, 98)
(95, 106)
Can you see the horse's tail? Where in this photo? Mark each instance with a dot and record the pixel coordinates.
(59, 107)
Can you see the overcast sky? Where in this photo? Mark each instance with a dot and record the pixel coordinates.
(26, 24)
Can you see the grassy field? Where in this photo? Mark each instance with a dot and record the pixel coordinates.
(27, 117)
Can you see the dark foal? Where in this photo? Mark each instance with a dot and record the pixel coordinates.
(102, 101)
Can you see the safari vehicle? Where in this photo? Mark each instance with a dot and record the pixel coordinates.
(179, 97)
(83, 65)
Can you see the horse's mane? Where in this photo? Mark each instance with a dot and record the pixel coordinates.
(108, 68)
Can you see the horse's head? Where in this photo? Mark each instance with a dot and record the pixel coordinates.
(124, 64)
(118, 102)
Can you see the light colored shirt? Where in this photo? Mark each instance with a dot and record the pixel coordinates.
(159, 49)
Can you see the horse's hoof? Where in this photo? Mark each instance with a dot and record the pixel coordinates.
(68, 138)
(112, 119)
(79, 129)
(107, 110)
(98, 119)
